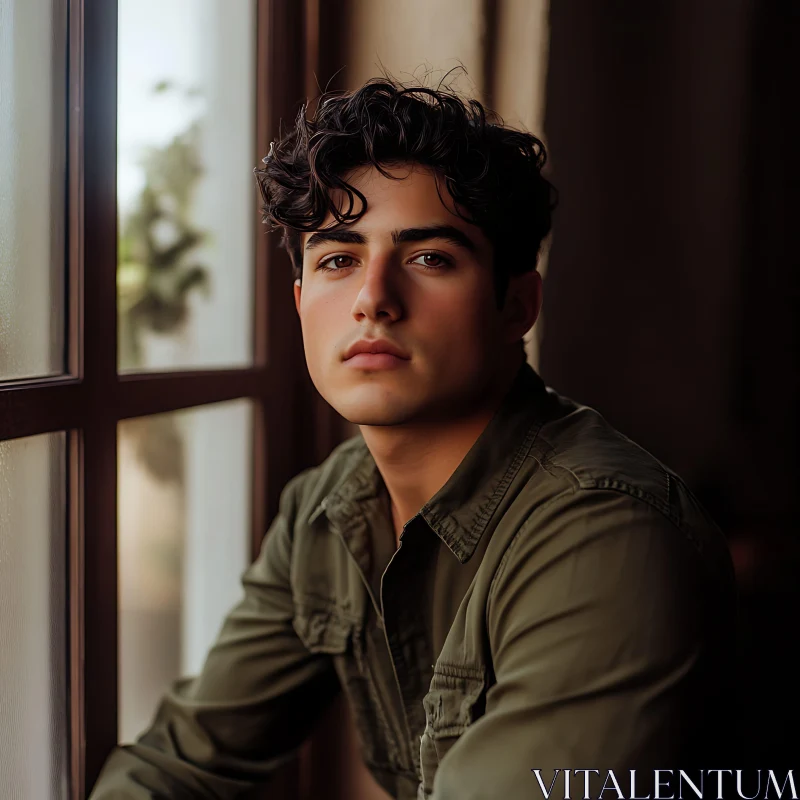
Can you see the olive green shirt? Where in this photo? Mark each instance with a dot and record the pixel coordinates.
(562, 602)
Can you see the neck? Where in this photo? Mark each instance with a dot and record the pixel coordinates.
(416, 459)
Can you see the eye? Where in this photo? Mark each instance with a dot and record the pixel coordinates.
(439, 261)
(336, 261)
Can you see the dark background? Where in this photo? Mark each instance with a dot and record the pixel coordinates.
(671, 292)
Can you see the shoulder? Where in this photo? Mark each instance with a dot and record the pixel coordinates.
(603, 524)
(591, 480)
(577, 445)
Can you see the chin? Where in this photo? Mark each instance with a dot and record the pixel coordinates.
(377, 419)
(361, 413)
(374, 405)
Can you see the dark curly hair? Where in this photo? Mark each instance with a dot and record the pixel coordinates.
(492, 171)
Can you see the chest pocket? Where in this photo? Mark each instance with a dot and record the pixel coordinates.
(327, 630)
(455, 700)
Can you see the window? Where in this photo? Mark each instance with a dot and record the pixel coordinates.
(149, 349)
(33, 626)
(184, 498)
(33, 166)
(185, 133)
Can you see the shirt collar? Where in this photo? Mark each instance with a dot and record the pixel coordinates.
(460, 512)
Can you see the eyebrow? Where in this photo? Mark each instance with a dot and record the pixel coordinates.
(448, 233)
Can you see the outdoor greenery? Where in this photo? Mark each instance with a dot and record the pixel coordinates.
(156, 271)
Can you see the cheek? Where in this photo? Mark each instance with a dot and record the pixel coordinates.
(322, 318)
(312, 321)
(461, 320)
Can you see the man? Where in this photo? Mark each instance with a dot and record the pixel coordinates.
(498, 580)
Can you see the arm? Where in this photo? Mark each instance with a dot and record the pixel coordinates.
(255, 701)
(597, 633)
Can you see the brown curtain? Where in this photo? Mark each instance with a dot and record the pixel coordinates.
(671, 292)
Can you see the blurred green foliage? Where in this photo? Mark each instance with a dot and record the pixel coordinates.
(156, 271)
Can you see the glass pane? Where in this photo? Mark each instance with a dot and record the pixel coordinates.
(186, 191)
(184, 541)
(33, 619)
(33, 81)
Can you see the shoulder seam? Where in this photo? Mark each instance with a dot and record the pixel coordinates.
(623, 487)
(607, 485)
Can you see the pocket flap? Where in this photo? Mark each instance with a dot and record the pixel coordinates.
(450, 705)
(323, 630)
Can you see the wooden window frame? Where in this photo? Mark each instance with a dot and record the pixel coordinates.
(292, 426)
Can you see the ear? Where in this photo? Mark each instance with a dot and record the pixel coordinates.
(523, 304)
(297, 289)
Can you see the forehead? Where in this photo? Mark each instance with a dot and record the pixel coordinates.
(414, 196)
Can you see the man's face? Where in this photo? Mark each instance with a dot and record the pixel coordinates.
(429, 293)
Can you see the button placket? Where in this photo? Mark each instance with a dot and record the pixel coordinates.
(352, 532)
(405, 637)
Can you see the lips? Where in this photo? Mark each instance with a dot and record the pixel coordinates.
(375, 347)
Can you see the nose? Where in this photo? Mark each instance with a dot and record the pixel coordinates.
(379, 298)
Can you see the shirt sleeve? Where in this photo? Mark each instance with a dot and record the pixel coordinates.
(600, 626)
(250, 708)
